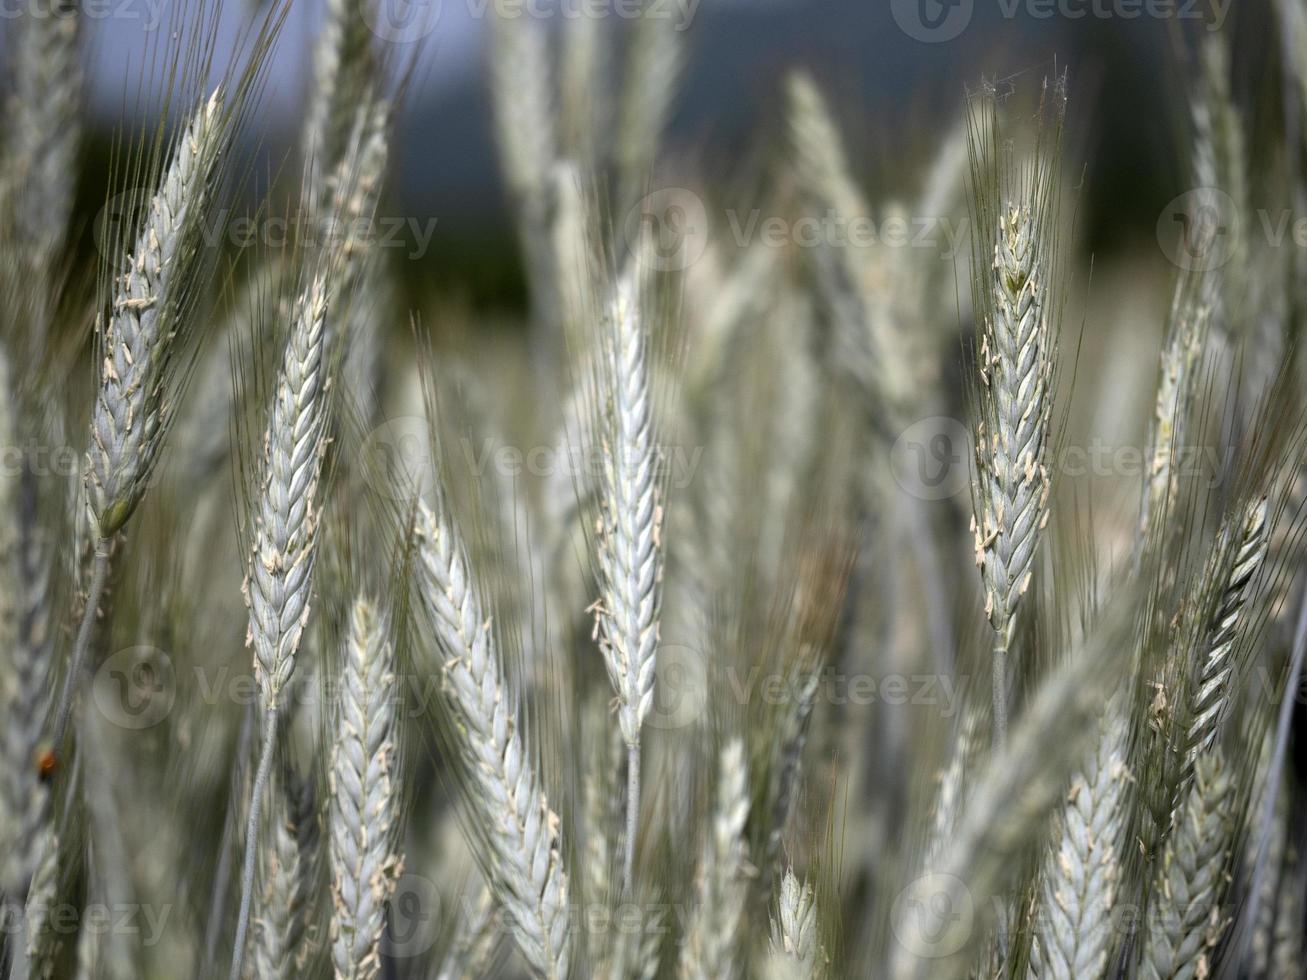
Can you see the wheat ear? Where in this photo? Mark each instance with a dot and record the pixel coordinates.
(130, 414)
(364, 808)
(794, 946)
(278, 582)
(273, 943)
(723, 885)
(1186, 336)
(1016, 369)
(656, 58)
(344, 65)
(630, 549)
(1082, 878)
(1212, 689)
(25, 693)
(43, 134)
(521, 832)
(1185, 921)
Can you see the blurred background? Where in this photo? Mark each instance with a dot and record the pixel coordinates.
(895, 95)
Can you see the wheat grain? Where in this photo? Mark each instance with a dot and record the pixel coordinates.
(364, 809)
(527, 873)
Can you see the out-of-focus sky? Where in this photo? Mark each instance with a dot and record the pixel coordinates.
(896, 81)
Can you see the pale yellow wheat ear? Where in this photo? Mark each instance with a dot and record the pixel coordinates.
(1018, 305)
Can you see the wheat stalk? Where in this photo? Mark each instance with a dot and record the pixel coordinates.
(364, 810)
(1185, 921)
(723, 877)
(1083, 875)
(630, 548)
(521, 832)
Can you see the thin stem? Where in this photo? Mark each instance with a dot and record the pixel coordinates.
(1000, 695)
(1282, 725)
(252, 837)
(99, 572)
(218, 897)
(632, 813)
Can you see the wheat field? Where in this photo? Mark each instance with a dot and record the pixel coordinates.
(834, 578)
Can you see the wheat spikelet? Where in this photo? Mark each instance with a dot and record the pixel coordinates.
(630, 549)
(130, 414)
(1083, 876)
(722, 879)
(521, 832)
(1212, 689)
(363, 804)
(1186, 921)
(794, 935)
